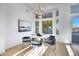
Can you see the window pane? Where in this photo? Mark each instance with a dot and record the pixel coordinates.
(47, 15)
(75, 9)
(37, 30)
(37, 23)
(75, 23)
(47, 27)
(37, 26)
(75, 29)
(57, 13)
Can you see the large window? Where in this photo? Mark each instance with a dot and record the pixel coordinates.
(47, 27)
(75, 23)
(75, 29)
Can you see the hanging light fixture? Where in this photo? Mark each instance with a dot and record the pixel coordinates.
(39, 11)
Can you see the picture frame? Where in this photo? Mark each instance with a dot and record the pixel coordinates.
(24, 26)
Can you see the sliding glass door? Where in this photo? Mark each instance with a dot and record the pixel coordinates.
(75, 29)
(75, 23)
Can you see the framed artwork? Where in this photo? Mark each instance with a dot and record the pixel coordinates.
(24, 26)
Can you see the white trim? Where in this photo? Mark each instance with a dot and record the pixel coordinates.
(70, 52)
(21, 50)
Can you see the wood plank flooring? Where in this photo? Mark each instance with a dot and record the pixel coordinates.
(60, 50)
(15, 49)
(75, 48)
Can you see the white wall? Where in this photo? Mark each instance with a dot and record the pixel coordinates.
(65, 23)
(15, 12)
(2, 27)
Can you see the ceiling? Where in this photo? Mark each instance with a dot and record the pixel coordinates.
(46, 6)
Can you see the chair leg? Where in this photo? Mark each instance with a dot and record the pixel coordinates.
(54, 49)
(22, 45)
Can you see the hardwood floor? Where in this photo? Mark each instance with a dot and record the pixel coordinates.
(60, 50)
(15, 49)
(24, 52)
(75, 48)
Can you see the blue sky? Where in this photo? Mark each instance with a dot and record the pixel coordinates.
(75, 21)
